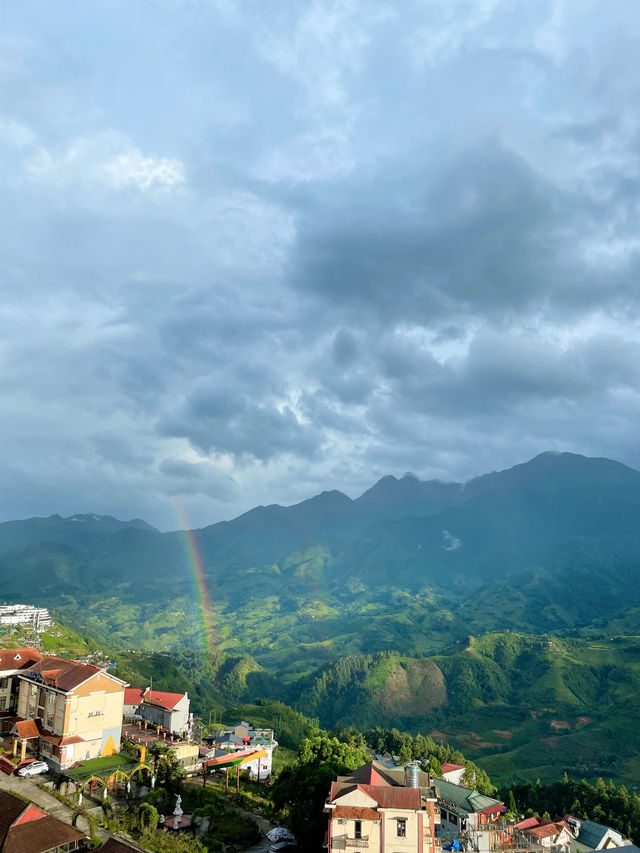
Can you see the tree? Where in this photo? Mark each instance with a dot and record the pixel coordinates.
(166, 767)
(483, 784)
(302, 787)
(147, 817)
(435, 768)
(511, 803)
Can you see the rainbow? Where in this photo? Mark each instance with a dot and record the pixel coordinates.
(202, 589)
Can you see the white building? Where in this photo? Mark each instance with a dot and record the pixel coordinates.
(24, 614)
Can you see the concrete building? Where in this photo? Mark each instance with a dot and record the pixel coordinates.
(170, 711)
(68, 711)
(12, 662)
(468, 815)
(596, 836)
(243, 735)
(24, 614)
(453, 772)
(386, 811)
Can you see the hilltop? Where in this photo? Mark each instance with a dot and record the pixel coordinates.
(375, 587)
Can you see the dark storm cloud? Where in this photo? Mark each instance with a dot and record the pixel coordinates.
(250, 253)
(227, 420)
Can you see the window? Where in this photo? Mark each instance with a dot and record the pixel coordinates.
(357, 830)
(401, 830)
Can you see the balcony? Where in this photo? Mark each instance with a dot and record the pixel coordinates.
(357, 842)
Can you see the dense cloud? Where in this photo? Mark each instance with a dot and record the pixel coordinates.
(251, 251)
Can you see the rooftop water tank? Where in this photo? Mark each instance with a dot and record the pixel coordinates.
(412, 775)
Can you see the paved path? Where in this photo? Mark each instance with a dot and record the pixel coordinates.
(41, 797)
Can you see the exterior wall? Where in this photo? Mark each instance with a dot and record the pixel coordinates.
(188, 754)
(265, 764)
(452, 824)
(93, 712)
(175, 720)
(454, 776)
(393, 841)
(344, 831)
(6, 683)
(155, 715)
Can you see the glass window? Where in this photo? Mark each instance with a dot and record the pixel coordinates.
(357, 831)
(402, 829)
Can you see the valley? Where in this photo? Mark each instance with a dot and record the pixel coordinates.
(499, 615)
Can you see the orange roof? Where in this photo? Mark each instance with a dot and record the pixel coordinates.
(27, 729)
(529, 822)
(18, 658)
(386, 796)
(133, 695)
(63, 674)
(546, 830)
(447, 768)
(168, 701)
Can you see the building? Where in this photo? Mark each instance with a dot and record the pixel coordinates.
(242, 735)
(547, 834)
(68, 711)
(466, 814)
(453, 772)
(12, 662)
(24, 614)
(387, 811)
(170, 711)
(595, 836)
(27, 829)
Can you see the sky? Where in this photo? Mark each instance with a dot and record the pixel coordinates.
(254, 250)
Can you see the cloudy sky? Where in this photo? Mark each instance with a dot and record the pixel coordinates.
(253, 249)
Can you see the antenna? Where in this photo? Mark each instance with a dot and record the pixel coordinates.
(33, 637)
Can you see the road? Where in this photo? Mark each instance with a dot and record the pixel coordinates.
(30, 789)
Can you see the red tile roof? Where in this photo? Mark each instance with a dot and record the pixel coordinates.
(394, 798)
(133, 695)
(528, 823)
(38, 833)
(65, 675)
(30, 813)
(372, 774)
(136, 695)
(386, 796)
(11, 659)
(26, 729)
(447, 768)
(546, 830)
(38, 836)
(168, 701)
(494, 809)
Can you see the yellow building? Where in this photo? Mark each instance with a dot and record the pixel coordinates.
(70, 711)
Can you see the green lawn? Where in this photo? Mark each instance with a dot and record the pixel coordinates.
(102, 766)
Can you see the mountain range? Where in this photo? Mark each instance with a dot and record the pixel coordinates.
(366, 610)
(550, 545)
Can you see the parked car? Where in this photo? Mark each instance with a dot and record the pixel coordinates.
(34, 768)
(287, 845)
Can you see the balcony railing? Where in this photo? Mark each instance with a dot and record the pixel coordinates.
(357, 842)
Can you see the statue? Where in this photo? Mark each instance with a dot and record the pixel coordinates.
(177, 812)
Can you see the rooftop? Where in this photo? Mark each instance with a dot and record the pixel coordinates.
(12, 659)
(467, 800)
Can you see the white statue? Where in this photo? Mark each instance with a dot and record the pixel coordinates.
(177, 812)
